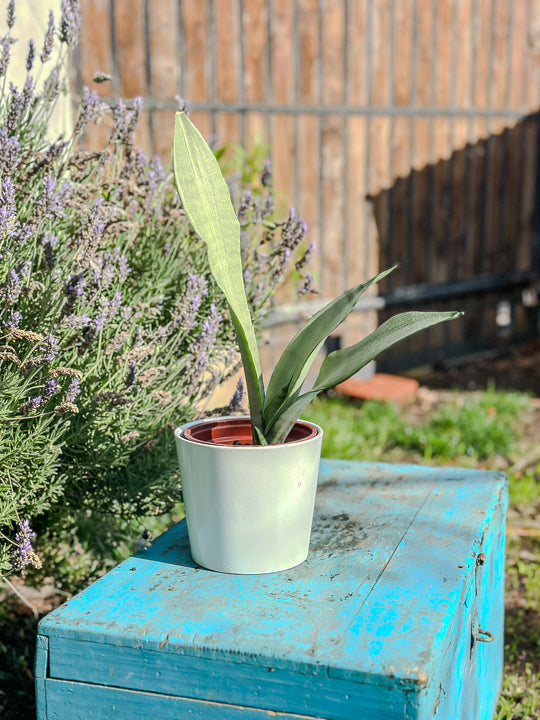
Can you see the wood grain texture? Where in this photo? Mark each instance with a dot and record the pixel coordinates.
(375, 624)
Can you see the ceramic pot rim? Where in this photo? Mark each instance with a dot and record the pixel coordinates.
(312, 431)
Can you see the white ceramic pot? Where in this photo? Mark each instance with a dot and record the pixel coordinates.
(249, 508)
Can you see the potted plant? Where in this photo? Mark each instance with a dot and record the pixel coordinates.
(249, 483)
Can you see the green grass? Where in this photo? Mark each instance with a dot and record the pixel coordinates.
(483, 429)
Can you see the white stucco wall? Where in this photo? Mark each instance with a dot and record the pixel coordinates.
(31, 18)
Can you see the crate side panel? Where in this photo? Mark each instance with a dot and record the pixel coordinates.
(219, 681)
(71, 700)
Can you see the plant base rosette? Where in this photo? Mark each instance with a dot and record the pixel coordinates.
(249, 508)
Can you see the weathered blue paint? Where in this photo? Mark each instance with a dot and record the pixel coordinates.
(376, 624)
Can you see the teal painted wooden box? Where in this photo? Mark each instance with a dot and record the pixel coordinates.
(387, 619)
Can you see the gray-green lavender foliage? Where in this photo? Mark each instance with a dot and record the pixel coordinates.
(111, 329)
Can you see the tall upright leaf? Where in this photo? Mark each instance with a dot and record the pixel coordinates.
(207, 203)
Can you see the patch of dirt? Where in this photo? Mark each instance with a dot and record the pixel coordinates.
(516, 369)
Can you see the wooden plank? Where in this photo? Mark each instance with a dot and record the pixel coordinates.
(163, 43)
(227, 50)
(226, 39)
(381, 86)
(308, 176)
(196, 43)
(358, 210)
(403, 52)
(309, 53)
(130, 47)
(444, 69)
(95, 50)
(72, 700)
(500, 57)
(531, 157)
(481, 67)
(255, 39)
(283, 60)
(332, 52)
(358, 44)
(283, 147)
(333, 199)
(424, 22)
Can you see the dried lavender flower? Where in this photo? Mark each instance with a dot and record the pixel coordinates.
(236, 400)
(10, 153)
(308, 286)
(306, 257)
(90, 109)
(30, 55)
(23, 554)
(70, 21)
(266, 177)
(10, 14)
(5, 52)
(48, 40)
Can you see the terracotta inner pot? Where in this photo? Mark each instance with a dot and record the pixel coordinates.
(237, 431)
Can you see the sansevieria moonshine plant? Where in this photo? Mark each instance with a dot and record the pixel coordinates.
(274, 410)
(249, 501)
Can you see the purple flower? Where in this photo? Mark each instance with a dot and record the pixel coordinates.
(5, 51)
(236, 399)
(72, 391)
(266, 177)
(23, 554)
(30, 55)
(8, 214)
(306, 257)
(50, 348)
(14, 320)
(89, 110)
(49, 241)
(74, 287)
(308, 286)
(12, 289)
(10, 14)
(35, 403)
(70, 21)
(51, 200)
(10, 150)
(51, 387)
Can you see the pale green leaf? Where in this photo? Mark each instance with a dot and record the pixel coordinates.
(207, 203)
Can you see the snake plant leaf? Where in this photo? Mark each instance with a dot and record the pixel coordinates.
(293, 365)
(207, 203)
(343, 364)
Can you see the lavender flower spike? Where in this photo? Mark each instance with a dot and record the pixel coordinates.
(24, 554)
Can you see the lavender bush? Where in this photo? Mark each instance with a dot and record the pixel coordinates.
(111, 330)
